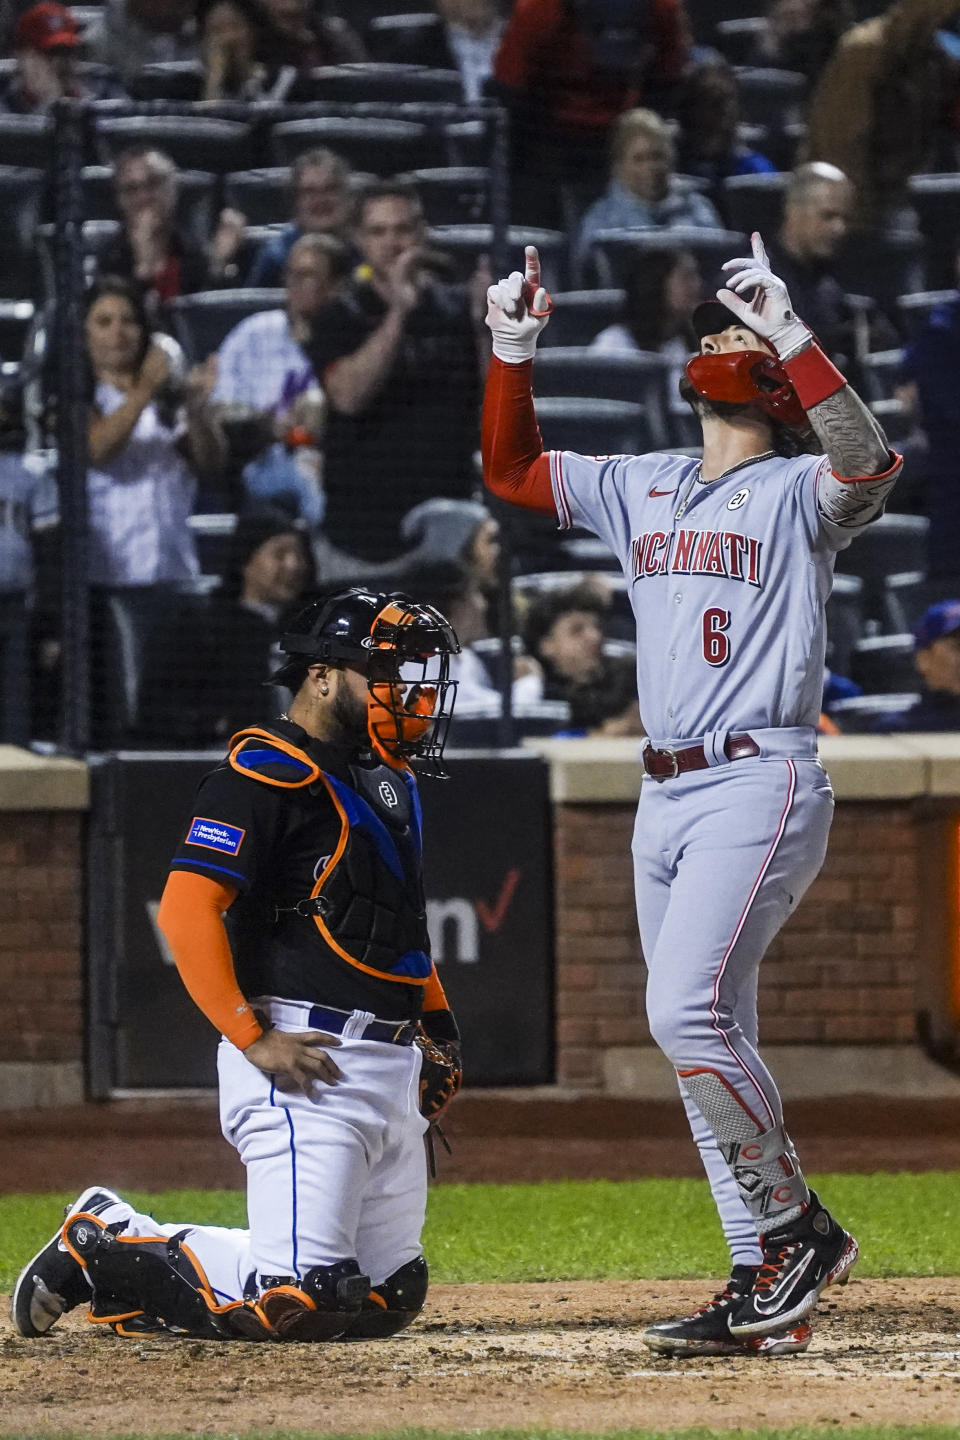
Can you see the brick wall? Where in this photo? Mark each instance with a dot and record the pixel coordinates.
(41, 943)
(840, 972)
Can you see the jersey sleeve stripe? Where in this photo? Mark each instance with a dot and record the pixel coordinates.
(192, 864)
(559, 491)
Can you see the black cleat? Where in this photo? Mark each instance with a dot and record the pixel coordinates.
(799, 1262)
(706, 1331)
(53, 1282)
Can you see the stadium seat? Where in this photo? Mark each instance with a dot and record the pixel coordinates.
(168, 80)
(906, 596)
(891, 265)
(22, 196)
(880, 374)
(883, 664)
(891, 544)
(753, 202)
(124, 623)
(614, 252)
(735, 39)
(845, 621)
(936, 199)
(861, 712)
(454, 194)
(579, 316)
(16, 317)
(381, 84)
(26, 141)
(196, 210)
(586, 552)
(593, 427)
(467, 243)
(263, 196)
(636, 376)
(383, 147)
(388, 34)
(198, 142)
(213, 534)
(915, 309)
(201, 322)
(770, 93)
(468, 142)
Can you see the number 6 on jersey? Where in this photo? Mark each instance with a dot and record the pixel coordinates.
(716, 642)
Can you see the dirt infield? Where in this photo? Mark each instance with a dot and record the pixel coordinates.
(485, 1356)
(502, 1136)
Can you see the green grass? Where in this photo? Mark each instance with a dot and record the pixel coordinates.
(579, 1230)
(803, 1432)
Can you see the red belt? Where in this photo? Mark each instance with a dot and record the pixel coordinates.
(665, 764)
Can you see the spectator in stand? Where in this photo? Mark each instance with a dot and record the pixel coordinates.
(207, 674)
(44, 44)
(643, 192)
(660, 295)
(299, 35)
(800, 35)
(460, 530)
(563, 631)
(567, 69)
(932, 375)
(133, 33)
(708, 109)
(886, 104)
(817, 213)
(398, 357)
(150, 437)
(231, 46)
(321, 206)
(936, 638)
(28, 510)
(466, 37)
(263, 368)
(151, 249)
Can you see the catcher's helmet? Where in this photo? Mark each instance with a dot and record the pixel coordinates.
(742, 377)
(404, 649)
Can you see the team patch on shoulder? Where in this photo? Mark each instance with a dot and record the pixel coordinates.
(215, 835)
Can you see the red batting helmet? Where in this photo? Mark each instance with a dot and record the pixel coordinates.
(742, 377)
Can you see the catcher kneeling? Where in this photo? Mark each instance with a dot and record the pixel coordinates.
(295, 913)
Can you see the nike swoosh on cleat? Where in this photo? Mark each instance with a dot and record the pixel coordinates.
(656, 494)
(766, 1304)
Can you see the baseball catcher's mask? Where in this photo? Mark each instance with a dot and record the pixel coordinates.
(742, 377)
(404, 649)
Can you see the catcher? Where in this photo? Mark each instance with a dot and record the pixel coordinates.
(295, 912)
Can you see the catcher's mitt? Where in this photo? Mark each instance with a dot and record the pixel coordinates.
(441, 1074)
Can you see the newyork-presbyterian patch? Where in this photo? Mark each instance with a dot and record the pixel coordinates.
(215, 835)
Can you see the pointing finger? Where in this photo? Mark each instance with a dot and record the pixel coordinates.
(758, 248)
(532, 268)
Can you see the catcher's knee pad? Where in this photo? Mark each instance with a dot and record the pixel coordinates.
(319, 1307)
(138, 1280)
(393, 1304)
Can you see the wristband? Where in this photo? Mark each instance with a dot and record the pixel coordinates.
(813, 376)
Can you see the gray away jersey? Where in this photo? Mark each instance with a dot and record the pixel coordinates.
(727, 580)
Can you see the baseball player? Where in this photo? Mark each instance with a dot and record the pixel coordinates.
(729, 561)
(338, 1043)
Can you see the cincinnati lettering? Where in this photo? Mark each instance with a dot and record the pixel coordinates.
(726, 553)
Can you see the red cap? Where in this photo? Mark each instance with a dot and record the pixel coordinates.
(47, 26)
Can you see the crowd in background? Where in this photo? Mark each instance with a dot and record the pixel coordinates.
(325, 428)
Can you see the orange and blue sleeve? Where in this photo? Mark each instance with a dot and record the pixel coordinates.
(191, 919)
(437, 1018)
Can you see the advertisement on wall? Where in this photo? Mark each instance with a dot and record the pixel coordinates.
(488, 875)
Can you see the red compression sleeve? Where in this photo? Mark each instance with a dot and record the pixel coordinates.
(191, 918)
(813, 376)
(515, 467)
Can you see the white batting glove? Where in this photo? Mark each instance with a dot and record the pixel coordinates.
(517, 310)
(769, 312)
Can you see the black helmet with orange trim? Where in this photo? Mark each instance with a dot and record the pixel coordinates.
(742, 377)
(403, 647)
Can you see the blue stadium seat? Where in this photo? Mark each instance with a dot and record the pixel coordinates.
(382, 147)
(202, 321)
